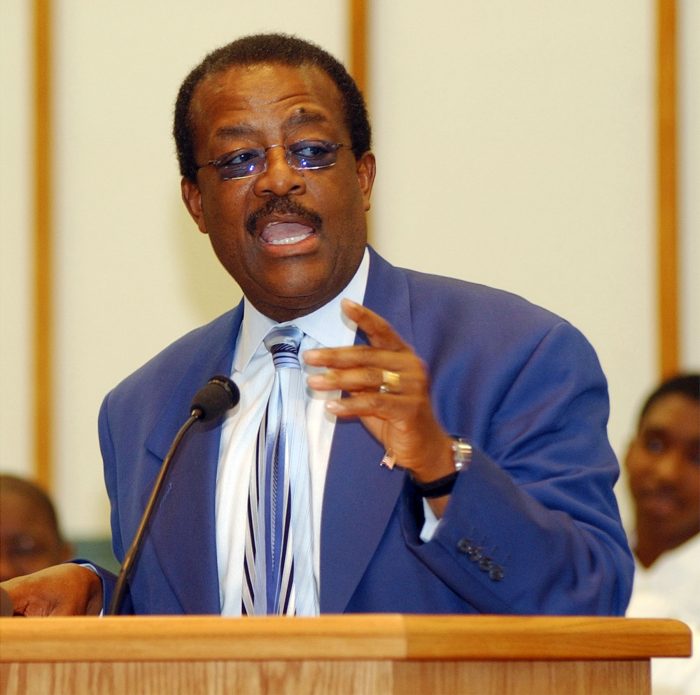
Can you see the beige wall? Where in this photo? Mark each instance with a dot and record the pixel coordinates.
(515, 146)
(15, 172)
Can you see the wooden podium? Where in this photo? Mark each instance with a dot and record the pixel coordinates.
(367, 654)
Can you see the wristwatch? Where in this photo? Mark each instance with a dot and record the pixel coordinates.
(461, 457)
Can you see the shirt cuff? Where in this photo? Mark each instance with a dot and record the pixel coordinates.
(430, 524)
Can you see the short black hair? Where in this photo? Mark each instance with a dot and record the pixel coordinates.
(687, 385)
(269, 48)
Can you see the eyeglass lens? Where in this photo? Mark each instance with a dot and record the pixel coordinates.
(303, 155)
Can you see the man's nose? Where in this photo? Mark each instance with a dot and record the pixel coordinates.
(279, 177)
(669, 464)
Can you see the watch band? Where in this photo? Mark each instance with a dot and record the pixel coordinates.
(436, 488)
(461, 456)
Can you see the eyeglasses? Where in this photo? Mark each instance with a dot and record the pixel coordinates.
(250, 161)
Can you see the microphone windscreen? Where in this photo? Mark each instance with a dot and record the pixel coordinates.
(215, 398)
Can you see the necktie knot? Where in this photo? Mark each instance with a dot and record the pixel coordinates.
(283, 344)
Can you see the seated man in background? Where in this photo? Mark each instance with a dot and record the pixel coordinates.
(30, 536)
(663, 466)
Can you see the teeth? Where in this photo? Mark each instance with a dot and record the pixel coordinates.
(288, 240)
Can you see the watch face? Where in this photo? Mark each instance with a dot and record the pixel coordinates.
(462, 453)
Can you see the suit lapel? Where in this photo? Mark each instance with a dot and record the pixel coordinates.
(183, 529)
(360, 495)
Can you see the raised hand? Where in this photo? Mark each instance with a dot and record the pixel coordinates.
(386, 385)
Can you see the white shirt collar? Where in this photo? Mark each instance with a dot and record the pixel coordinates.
(327, 326)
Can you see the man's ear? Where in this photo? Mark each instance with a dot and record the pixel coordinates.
(366, 170)
(192, 197)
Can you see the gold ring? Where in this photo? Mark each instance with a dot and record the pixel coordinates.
(389, 459)
(391, 381)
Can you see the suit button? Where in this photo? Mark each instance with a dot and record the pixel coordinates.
(472, 551)
(485, 564)
(496, 573)
(464, 545)
(475, 554)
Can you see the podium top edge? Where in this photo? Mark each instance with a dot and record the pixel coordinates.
(367, 636)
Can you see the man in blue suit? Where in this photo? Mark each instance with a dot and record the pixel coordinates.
(459, 461)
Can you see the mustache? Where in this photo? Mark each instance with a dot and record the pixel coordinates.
(282, 206)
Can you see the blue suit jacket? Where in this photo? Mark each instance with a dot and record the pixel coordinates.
(532, 526)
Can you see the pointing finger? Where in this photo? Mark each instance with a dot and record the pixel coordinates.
(377, 329)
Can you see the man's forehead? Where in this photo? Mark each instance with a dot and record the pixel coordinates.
(301, 94)
(277, 104)
(242, 78)
(243, 129)
(673, 410)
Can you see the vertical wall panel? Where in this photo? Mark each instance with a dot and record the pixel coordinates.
(667, 249)
(43, 314)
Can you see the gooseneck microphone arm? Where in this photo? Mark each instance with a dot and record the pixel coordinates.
(210, 402)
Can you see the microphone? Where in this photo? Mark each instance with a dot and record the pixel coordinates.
(217, 396)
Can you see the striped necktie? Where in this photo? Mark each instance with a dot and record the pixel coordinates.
(278, 567)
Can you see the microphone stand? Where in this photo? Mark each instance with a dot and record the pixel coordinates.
(132, 553)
